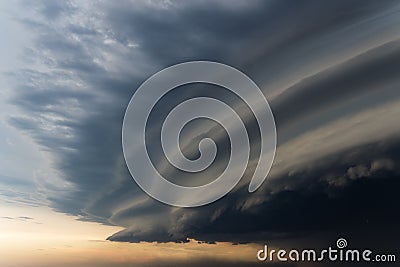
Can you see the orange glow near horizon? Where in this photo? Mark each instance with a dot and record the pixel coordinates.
(38, 236)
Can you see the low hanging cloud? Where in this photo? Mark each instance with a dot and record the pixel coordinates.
(329, 71)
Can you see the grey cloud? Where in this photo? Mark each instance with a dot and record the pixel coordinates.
(362, 171)
(16, 190)
(374, 70)
(25, 218)
(53, 10)
(20, 218)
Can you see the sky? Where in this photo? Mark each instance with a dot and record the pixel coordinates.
(68, 69)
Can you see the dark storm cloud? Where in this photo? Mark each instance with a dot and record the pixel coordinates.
(218, 31)
(85, 69)
(332, 198)
(374, 70)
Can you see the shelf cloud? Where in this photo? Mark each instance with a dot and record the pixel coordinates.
(328, 69)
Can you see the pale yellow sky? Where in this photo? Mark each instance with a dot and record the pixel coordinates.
(55, 239)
